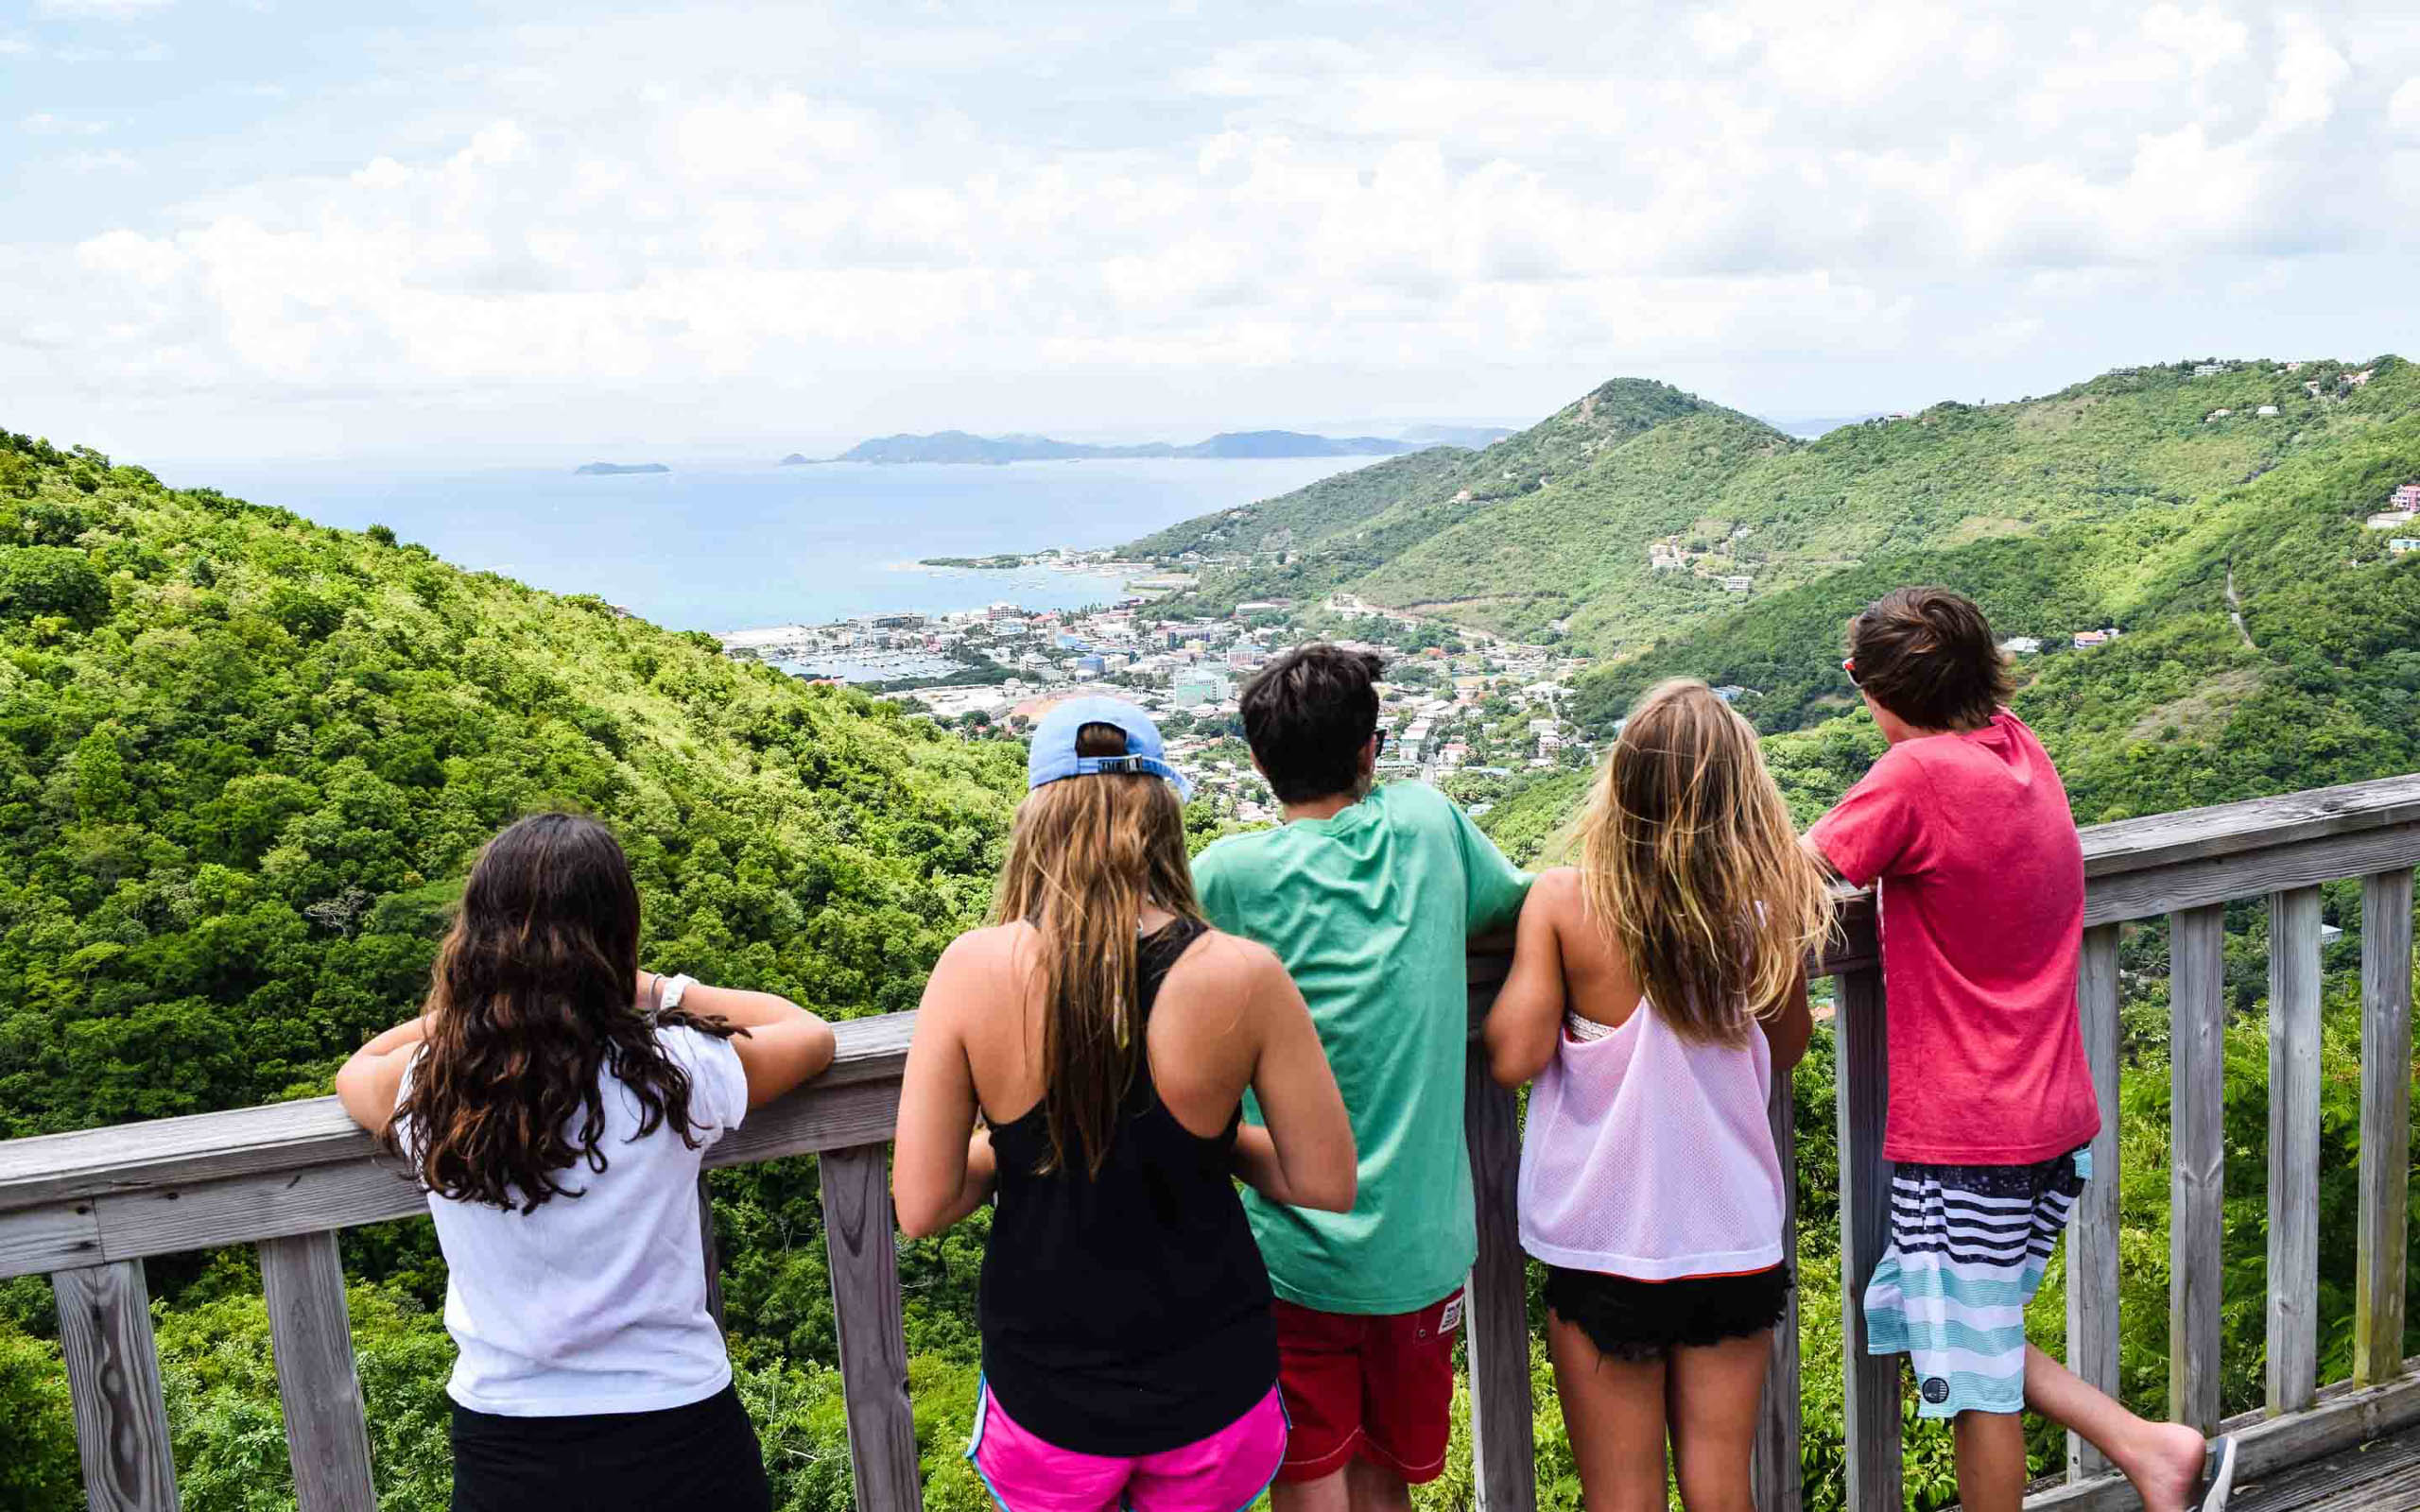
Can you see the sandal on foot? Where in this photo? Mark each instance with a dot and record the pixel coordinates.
(2217, 1480)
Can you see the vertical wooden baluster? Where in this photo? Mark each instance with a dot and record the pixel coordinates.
(2092, 1243)
(1774, 1471)
(1872, 1409)
(2386, 1125)
(1503, 1437)
(712, 1251)
(2197, 1161)
(864, 1260)
(113, 1378)
(2293, 1149)
(327, 1436)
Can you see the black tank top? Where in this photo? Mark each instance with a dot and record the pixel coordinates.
(1127, 1312)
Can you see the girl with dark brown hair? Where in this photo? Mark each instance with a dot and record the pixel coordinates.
(556, 1102)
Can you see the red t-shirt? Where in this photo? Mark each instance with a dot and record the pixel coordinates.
(1981, 891)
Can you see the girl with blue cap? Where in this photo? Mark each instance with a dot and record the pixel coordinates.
(1084, 1061)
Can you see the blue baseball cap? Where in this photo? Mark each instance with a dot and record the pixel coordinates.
(1053, 755)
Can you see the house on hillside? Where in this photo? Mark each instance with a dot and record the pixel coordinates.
(2406, 497)
(2086, 640)
(1737, 585)
(2020, 645)
(2391, 519)
(2359, 380)
(2267, 412)
(2208, 370)
(2216, 414)
(2402, 546)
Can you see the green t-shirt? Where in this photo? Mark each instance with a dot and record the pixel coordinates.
(1371, 910)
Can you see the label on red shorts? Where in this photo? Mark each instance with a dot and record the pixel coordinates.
(1451, 1318)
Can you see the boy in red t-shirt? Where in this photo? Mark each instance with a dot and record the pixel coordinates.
(1962, 828)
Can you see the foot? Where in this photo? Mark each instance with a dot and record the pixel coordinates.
(2170, 1467)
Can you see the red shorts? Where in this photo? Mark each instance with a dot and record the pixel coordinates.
(1376, 1387)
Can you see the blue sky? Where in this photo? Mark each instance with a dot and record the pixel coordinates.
(268, 230)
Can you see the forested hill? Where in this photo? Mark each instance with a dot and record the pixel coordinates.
(2319, 684)
(1634, 514)
(247, 760)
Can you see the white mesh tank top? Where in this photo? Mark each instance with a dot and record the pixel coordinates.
(1649, 1157)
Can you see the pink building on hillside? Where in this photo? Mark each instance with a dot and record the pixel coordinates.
(2408, 496)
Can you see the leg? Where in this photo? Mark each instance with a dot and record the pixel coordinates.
(1711, 1396)
(1991, 1461)
(2162, 1459)
(1613, 1410)
(1371, 1487)
(1327, 1494)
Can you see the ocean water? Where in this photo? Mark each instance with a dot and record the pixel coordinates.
(726, 547)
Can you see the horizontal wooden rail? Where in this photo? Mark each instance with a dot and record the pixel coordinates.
(89, 1207)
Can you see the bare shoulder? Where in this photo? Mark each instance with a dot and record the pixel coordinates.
(1557, 890)
(976, 963)
(1218, 960)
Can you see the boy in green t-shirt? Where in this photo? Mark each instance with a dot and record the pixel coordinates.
(1370, 896)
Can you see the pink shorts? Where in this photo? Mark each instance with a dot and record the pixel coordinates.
(1224, 1473)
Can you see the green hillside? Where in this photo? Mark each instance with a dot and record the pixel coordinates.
(1548, 535)
(246, 758)
(2180, 710)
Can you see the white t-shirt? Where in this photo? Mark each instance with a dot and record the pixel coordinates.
(596, 1303)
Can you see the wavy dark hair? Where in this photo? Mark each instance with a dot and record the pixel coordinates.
(535, 992)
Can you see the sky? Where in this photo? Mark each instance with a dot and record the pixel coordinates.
(270, 230)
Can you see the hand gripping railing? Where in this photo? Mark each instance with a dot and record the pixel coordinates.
(87, 1207)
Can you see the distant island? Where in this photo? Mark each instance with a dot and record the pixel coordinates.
(962, 446)
(612, 469)
(796, 459)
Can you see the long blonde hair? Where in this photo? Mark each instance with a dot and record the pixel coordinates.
(1689, 863)
(1087, 854)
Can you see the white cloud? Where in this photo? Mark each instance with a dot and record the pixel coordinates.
(2403, 111)
(43, 123)
(627, 205)
(118, 9)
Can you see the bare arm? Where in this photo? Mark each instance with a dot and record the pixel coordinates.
(1303, 1157)
(368, 1084)
(1788, 1031)
(783, 1046)
(1528, 1014)
(942, 1168)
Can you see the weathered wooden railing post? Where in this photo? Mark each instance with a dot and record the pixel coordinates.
(863, 1257)
(1496, 1309)
(2386, 1125)
(1774, 1474)
(2293, 1149)
(2092, 1244)
(2197, 1159)
(1871, 1404)
(114, 1379)
(327, 1438)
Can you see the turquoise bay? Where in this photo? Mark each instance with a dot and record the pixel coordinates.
(721, 546)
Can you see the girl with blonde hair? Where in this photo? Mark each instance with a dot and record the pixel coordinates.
(1658, 989)
(1105, 1037)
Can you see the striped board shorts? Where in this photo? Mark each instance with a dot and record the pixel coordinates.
(1968, 1244)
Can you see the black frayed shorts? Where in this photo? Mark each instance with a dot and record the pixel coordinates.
(1638, 1320)
(702, 1457)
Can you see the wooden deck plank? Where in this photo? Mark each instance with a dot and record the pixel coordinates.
(2092, 1244)
(2333, 1478)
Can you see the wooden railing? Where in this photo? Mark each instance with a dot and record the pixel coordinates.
(88, 1208)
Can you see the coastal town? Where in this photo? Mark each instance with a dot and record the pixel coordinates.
(1455, 703)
